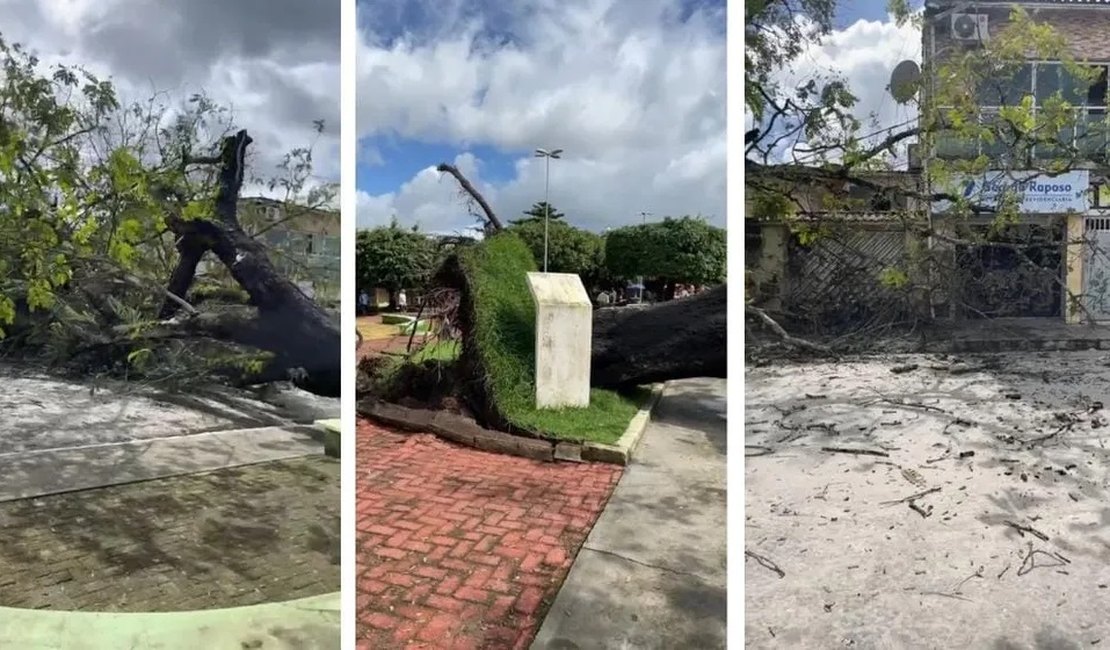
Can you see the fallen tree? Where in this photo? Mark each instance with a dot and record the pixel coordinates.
(635, 345)
(632, 346)
(105, 218)
(303, 338)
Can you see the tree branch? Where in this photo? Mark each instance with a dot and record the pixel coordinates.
(491, 219)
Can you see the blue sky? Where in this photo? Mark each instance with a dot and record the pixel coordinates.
(850, 11)
(863, 50)
(634, 90)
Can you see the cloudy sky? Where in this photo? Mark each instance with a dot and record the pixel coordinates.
(863, 49)
(274, 62)
(632, 90)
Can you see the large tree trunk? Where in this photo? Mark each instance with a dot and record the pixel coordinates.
(671, 340)
(302, 336)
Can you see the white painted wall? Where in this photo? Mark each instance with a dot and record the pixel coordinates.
(564, 335)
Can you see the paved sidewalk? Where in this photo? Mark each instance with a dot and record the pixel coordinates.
(52, 471)
(652, 572)
(303, 624)
(460, 548)
(239, 536)
(44, 412)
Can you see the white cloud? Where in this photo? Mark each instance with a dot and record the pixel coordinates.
(636, 99)
(863, 54)
(276, 65)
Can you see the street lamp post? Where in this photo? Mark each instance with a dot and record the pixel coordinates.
(643, 218)
(547, 156)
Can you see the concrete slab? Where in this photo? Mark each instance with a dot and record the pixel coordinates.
(51, 471)
(652, 572)
(43, 412)
(1007, 444)
(307, 624)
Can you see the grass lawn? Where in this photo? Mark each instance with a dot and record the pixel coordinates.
(371, 329)
(504, 332)
(438, 351)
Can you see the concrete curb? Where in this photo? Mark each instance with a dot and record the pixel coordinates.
(307, 623)
(332, 429)
(465, 431)
(620, 453)
(457, 428)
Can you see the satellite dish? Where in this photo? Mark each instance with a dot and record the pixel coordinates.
(904, 81)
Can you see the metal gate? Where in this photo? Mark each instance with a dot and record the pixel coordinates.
(1096, 267)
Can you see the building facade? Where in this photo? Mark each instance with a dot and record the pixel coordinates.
(303, 243)
(1057, 182)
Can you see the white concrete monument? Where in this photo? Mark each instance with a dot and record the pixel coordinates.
(564, 336)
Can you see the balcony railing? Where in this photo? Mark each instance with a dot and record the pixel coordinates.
(1087, 133)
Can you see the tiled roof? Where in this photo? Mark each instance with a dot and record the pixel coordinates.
(1084, 24)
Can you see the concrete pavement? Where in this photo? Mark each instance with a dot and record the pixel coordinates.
(52, 471)
(59, 436)
(652, 572)
(45, 412)
(306, 624)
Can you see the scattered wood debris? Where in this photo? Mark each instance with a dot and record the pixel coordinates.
(1021, 530)
(924, 512)
(864, 452)
(1030, 561)
(912, 497)
(765, 563)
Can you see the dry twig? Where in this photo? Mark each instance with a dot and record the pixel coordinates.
(864, 452)
(765, 563)
(1021, 530)
(912, 497)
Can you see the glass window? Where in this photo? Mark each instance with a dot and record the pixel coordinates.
(1090, 134)
(1096, 94)
(1053, 78)
(1006, 86)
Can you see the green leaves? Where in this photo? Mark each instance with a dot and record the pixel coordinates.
(570, 249)
(393, 258)
(679, 250)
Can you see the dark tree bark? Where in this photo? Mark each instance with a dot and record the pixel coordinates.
(189, 252)
(671, 340)
(493, 224)
(302, 336)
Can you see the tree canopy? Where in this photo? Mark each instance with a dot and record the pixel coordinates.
(394, 258)
(538, 212)
(570, 249)
(97, 192)
(685, 250)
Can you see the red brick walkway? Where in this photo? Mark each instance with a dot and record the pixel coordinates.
(459, 548)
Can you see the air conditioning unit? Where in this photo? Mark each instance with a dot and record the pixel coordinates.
(970, 27)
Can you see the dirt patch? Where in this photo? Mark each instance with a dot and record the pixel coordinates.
(969, 508)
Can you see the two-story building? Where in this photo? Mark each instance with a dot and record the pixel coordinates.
(302, 242)
(1055, 260)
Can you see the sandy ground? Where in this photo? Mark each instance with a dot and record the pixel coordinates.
(999, 442)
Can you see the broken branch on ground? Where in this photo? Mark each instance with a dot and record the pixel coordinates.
(765, 563)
